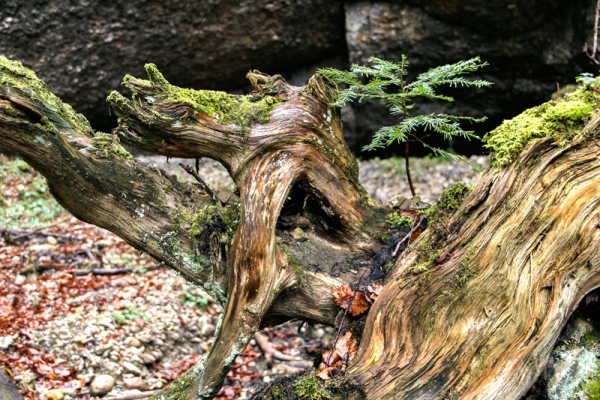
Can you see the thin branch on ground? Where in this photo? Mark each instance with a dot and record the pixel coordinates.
(203, 184)
(133, 396)
(337, 336)
(270, 352)
(592, 55)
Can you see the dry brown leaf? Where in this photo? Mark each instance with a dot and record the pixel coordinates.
(346, 346)
(345, 298)
(374, 290)
(331, 358)
(416, 234)
(360, 304)
(412, 214)
(322, 372)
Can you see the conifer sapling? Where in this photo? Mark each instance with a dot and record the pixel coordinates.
(385, 81)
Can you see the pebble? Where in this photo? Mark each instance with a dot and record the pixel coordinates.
(55, 394)
(135, 383)
(102, 384)
(148, 358)
(131, 368)
(133, 341)
(6, 342)
(207, 330)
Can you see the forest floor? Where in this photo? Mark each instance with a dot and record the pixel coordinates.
(81, 312)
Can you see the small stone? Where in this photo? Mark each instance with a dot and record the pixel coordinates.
(299, 234)
(42, 247)
(148, 358)
(144, 337)
(79, 339)
(204, 346)
(207, 330)
(69, 392)
(157, 354)
(106, 322)
(131, 368)
(136, 383)
(102, 384)
(91, 330)
(55, 394)
(6, 342)
(52, 240)
(133, 341)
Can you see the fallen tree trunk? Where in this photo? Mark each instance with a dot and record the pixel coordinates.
(469, 311)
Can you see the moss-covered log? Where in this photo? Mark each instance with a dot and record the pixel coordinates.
(469, 311)
(283, 147)
(480, 318)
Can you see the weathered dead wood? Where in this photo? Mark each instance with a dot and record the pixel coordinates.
(301, 144)
(528, 237)
(479, 322)
(294, 162)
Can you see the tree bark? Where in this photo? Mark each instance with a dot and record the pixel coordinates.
(470, 310)
(530, 237)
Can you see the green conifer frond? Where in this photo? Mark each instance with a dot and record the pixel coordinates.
(385, 82)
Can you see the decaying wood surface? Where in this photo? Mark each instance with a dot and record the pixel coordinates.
(511, 264)
(529, 236)
(297, 161)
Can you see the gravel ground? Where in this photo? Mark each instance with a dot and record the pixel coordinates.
(383, 179)
(123, 334)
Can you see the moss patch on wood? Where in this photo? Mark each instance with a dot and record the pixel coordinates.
(438, 216)
(110, 144)
(309, 387)
(562, 119)
(226, 109)
(14, 75)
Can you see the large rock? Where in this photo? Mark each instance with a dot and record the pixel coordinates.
(82, 49)
(531, 45)
(7, 388)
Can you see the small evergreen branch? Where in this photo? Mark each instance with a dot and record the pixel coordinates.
(385, 82)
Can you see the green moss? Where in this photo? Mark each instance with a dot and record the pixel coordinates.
(277, 392)
(397, 222)
(438, 215)
(225, 216)
(110, 144)
(310, 388)
(465, 270)
(14, 75)
(561, 119)
(300, 274)
(243, 111)
(592, 387)
(452, 198)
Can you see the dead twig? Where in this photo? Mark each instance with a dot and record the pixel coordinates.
(114, 271)
(133, 396)
(592, 55)
(270, 352)
(203, 184)
(408, 236)
(327, 363)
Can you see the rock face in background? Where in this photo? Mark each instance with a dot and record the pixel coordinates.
(530, 45)
(82, 49)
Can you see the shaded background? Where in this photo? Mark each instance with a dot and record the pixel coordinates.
(82, 49)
